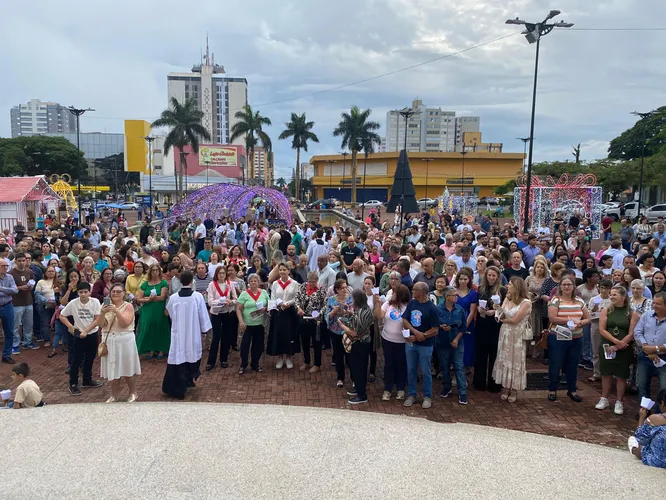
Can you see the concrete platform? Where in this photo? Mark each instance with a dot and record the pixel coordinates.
(198, 451)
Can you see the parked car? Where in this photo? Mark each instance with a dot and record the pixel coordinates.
(426, 203)
(373, 204)
(655, 211)
(327, 202)
(129, 206)
(629, 210)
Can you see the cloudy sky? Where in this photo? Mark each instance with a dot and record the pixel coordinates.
(113, 56)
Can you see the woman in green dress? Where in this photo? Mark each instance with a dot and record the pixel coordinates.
(154, 334)
(616, 326)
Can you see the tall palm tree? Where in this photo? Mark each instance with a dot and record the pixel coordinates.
(250, 124)
(354, 127)
(186, 129)
(367, 146)
(299, 128)
(281, 183)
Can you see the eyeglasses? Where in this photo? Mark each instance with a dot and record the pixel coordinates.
(566, 284)
(117, 291)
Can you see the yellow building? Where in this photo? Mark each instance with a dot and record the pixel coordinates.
(136, 148)
(473, 172)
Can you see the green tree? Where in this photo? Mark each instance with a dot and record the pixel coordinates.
(281, 183)
(184, 120)
(40, 155)
(506, 188)
(299, 129)
(250, 125)
(354, 128)
(649, 132)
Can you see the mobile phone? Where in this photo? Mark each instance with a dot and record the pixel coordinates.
(107, 301)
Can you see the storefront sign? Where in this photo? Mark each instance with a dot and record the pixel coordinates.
(218, 156)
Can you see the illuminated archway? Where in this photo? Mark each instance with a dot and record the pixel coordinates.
(224, 200)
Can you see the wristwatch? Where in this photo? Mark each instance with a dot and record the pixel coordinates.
(658, 349)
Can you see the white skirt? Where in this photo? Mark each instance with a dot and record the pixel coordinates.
(123, 357)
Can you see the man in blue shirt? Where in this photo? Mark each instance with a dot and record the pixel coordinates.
(660, 234)
(650, 335)
(421, 320)
(530, 251)
(450, 348)
(8, 289)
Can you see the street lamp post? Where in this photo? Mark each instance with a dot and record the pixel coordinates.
(462, 178)
(207, 168)
(149, 140)
(525, 141)
(640, 180)
(427, 160)
(78, 112)
(533, 33)
(344, 166)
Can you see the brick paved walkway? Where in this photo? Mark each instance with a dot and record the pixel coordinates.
(532, 413)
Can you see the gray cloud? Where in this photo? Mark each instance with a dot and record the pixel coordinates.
(114, 57)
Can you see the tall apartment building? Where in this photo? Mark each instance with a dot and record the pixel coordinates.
(218, 96)
(428, 130)
(260, 162)
(41, 117)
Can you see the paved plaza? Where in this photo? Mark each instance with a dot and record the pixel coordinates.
(532, 412)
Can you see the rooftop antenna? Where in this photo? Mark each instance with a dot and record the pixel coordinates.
(207, 53)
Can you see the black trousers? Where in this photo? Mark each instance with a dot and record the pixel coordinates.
(340, 356)
(485, 354)
(325, 336)
(85, 351)
(373, 352)
(253, 335)
(225, 331)
(308, 329)
(395, 365)
(358, 366)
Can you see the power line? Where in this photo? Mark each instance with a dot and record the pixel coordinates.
(617, 29)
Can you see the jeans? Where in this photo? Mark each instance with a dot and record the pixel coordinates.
(448, 355)
(340, 356)
(608, 236)
(60, 330)
(595, 338)
(7, 318)
(646, 370)
(358, 366)
(308, 330)
(419, 355)
(23, 315)
(85, 351)
(44, 329)
(587, 343)
(253, 335)
(564, 355)
(395, 365)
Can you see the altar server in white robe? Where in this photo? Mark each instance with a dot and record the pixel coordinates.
(189, 320)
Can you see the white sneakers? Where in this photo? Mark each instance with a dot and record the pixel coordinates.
(279, 364)
(632, 443)
(602, 404)
(386, 396)
(289, 364)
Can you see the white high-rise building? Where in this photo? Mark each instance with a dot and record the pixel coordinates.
(219, 96)
(428, 130)
(41, 117)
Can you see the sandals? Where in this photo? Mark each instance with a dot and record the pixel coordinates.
(258, 369)
(51, 354)
(504, 396)
(513, 397)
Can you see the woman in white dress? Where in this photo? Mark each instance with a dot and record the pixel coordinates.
(510, 370)
(122, 361)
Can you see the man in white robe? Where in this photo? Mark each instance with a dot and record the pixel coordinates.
(189, 320)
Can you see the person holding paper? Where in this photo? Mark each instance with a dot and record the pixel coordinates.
(650, 333)
(649, 440)
(251, 312)
(596, 304)
(567, 311)
(283, 340)
(221, 296)
(393, 342)
(338, 306)
(487, 331)
(310, 301)
(616, 326)
(450, 347)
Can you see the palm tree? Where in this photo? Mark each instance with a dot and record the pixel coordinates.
(186, 129)
(367, 146)
(281, 183)
(355, 128)
(299, 129)
(250, 124)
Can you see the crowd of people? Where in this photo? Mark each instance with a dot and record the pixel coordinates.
(449, 301)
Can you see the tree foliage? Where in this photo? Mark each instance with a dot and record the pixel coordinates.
(649, 131)
(300, 130)
(40, 155)
(250, 126)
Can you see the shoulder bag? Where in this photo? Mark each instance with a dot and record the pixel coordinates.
(102, 348)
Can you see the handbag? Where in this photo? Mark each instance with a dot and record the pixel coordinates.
(102, 348)
(543, 341)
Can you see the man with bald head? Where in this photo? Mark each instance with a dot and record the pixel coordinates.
(421, 319)
(427, 275)
(8, 289)
(357, 276)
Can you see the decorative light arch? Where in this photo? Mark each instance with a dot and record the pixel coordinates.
(224, 200)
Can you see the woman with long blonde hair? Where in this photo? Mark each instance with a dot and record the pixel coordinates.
(487, 336)
(534, 282)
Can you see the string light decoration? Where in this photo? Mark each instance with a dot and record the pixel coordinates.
(61, 185)
(565, 196)
(224, 200)
(464, 205)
